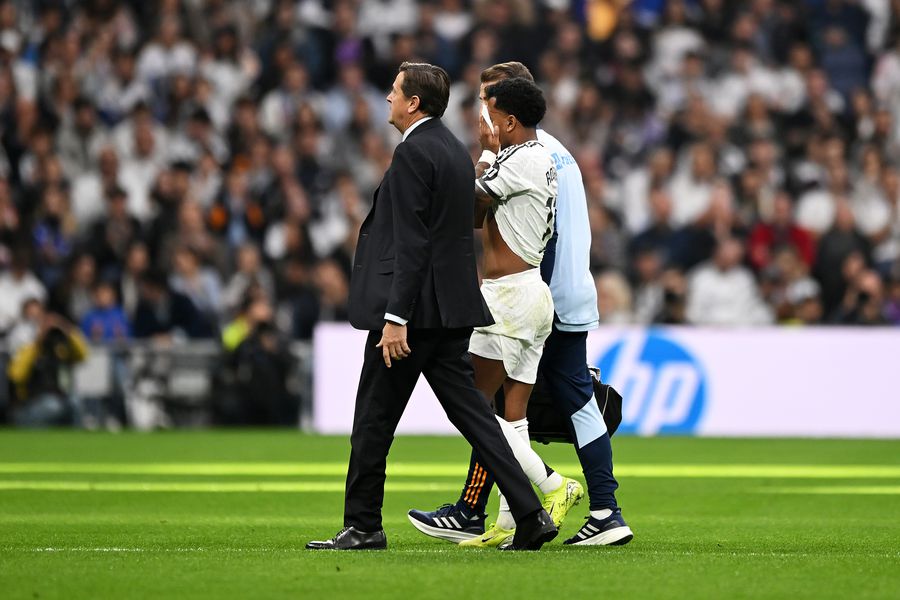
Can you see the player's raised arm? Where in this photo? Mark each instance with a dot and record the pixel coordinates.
(490, 146)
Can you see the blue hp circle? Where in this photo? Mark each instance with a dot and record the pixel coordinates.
(663, 385)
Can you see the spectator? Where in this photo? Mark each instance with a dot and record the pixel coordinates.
(781, 230)
(659, 236)
(41, 372)
(141, 168)
(17, 285)
(110, 236)
(72, 296)
(805, 303)
(692, 185)
(607, 240)
(863, 302)
(638, 187)
(90, 185)
(236, 216)
(105, 321)
(232, 68)
(260, 364)
(279, 107)
(675, 288)
(835, 247)
(53, 235)
(333, 291)
(843, 61)
(192, 232)
(9, 220)
(298, 304)
(254, 309)
(723, 292)
(167, 54)
(263, 124)
(166, 315)
(121, 89)
(613, 298)
(136, 263)
(250, 272)
(648, 298)
(816, 209)
(26, 329)
(199, 283)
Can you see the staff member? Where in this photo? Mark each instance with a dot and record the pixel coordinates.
(415, 289)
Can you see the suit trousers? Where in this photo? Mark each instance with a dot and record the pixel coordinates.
(442, 356)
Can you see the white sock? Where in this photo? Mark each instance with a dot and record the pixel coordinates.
(505, 519)
(554, 479)
(603, 513)
(516, 434)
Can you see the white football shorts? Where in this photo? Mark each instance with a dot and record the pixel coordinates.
(522, 308)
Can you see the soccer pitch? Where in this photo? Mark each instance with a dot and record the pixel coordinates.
(226, 515)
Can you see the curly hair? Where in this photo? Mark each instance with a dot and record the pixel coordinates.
(519, 97)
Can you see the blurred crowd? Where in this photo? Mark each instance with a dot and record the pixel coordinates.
(199, 168)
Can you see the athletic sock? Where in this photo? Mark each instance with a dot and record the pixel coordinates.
(552, 479)
(603, 513)
(528, 459)
(505, 518)
(477, 490)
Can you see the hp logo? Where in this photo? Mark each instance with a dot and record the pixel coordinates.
(663, 385)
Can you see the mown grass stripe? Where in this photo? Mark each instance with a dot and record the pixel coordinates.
(838, 490)
(443, 549)
(305, 487)
(211, 487)
(432, 469)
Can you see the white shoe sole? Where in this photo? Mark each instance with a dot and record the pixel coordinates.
(442, 534)
(614, 537)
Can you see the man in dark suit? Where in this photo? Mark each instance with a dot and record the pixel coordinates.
(415, 289)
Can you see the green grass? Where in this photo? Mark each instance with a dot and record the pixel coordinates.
(226, 514)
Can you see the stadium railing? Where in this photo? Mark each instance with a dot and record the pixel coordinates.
(166, 385)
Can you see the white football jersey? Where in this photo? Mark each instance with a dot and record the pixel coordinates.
(522, 182)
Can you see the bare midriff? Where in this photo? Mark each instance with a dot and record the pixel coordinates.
(499, 260)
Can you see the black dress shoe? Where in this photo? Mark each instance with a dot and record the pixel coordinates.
(533, 531)
(351, 538)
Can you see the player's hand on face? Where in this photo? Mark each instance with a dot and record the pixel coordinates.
(487, 136)
(393, 343)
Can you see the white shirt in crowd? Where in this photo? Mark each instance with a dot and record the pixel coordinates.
(690, 198)
(730, 297)
(871, 210)
(13, 294)
(157, 62)
(816, 210)
(633, 200)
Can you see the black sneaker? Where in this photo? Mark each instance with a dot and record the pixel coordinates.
(450, 522)
(611, 531)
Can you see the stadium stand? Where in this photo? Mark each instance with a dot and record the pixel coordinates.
(186, 170)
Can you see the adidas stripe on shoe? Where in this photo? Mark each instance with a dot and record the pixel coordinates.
(611, 531)
(450, 522)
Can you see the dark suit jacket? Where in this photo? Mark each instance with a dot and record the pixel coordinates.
(415, 255)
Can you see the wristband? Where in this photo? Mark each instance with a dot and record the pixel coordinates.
(487, 157)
